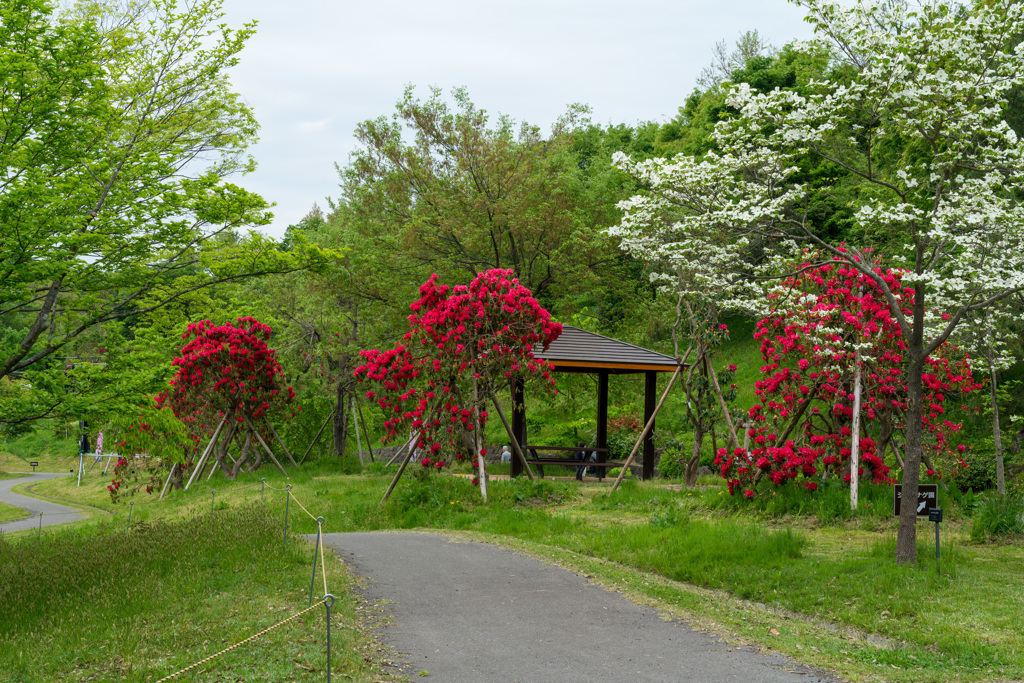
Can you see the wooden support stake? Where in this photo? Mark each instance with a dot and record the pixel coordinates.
(406, 450)
(168, 482)
(265, 447)
(365, 430)
(359, 443)
(401, 469)
(647, 428)
(317, 437)
(281, 443)
(202, 459)
(512, 437)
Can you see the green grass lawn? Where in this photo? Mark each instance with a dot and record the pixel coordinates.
(9, 513)
(104, 603)
(827, 594)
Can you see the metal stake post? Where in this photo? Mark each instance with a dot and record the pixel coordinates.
(328, 602)
(40, 523)
(316, 550)
(287, 497)
(213, 497)
(263, 488)
(131, 505)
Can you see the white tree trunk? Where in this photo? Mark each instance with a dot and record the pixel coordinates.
(997, 437)
(855, 428)
(477, 446)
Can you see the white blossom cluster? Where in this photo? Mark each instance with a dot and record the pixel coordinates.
(912, 110)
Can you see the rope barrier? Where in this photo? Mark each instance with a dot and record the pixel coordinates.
(243, 642)
(240, 488)
(301, 506)
(273, 488)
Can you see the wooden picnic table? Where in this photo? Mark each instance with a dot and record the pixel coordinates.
(535, 458)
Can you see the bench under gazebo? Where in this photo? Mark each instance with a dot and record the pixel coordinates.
(580, 351)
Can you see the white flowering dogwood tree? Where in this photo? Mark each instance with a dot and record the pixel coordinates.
(911, 112)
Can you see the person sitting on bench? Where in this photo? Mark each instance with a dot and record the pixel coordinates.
(582, 456)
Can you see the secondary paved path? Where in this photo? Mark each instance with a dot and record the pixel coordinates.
(53, 513)
(469, 612)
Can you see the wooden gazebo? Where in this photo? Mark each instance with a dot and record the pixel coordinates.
(577, 350)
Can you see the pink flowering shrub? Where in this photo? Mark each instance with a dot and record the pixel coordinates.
(806, 390)
(459, 337)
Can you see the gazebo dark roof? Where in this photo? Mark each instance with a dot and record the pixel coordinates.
(577, 350)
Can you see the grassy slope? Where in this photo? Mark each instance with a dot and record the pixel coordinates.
(142, 604)
(9, 513)
(824, 589)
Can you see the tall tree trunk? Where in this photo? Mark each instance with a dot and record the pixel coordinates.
(221, 449)
(690, 476)
(906, 535)
(244, 455)
(340, 431)
(996, 436)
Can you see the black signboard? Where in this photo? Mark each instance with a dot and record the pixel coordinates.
(927, 498)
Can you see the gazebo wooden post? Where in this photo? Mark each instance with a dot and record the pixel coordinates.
(650, 399)
(518, 422)
(650, 423)
(602, 417)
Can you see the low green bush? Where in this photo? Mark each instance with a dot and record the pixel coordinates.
(997, 515)
(671, 465)
(980, 474)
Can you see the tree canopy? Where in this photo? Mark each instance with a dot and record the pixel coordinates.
(118, 131)
(913, 115)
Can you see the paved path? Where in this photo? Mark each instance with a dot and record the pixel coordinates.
(471, 612)
(53, 513)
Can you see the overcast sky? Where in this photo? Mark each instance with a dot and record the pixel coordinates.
(316, 68)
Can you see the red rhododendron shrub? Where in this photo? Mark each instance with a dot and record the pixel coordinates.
(463, 343)
(810, 342)
(229, 373)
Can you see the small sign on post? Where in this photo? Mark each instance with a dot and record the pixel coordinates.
(935, 515)
(927, 499)
(35, 464)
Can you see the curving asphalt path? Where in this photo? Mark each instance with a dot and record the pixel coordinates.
(470, 612)
(53, 513)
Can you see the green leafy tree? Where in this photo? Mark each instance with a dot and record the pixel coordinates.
(458, 193)
(118, 130)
